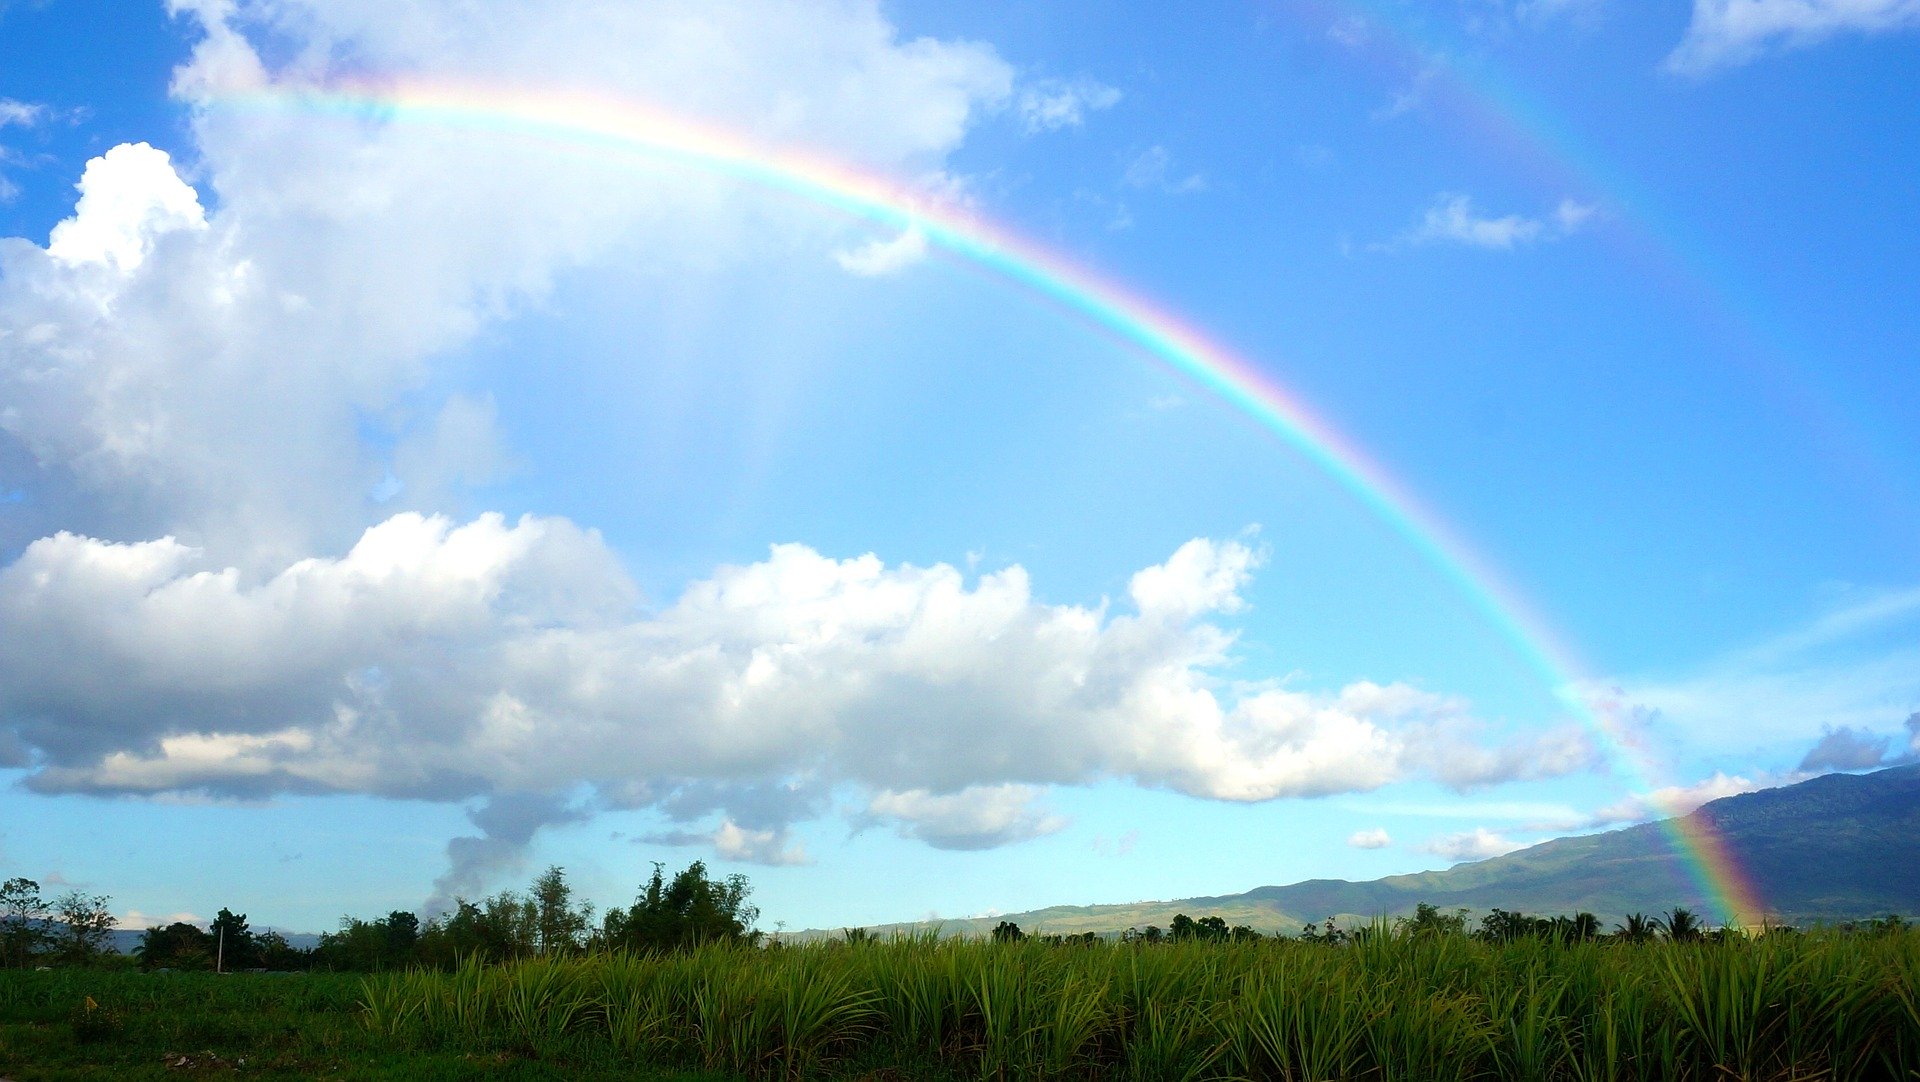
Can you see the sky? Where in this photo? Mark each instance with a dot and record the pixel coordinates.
(404, 488)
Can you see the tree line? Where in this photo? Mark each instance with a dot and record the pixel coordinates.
(669, 913)
(673, 913)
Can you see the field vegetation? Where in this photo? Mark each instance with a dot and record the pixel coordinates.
(678, 986)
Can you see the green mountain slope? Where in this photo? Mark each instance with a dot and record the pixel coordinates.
(1832, 848)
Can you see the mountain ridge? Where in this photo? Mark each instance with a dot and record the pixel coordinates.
(1831, 848)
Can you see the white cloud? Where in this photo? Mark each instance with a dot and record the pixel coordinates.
(1377, 838)
(1152, 169)
(22, 113)
(770, 847)
(878, 258)
(1451, 220)
(1051, 104)
(166, 369)
(133, 920)
(130, 199)
(1675, 800)
(977, 817)
(446, 661)
(1476, 844)
(1725, 33)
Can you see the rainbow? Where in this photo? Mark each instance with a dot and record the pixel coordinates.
(632, 130)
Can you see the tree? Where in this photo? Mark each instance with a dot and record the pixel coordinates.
(177, 946)
(559, 925)
(1638, 929)
(1680, 925)
(691, 909)
(403, 933)
(23, 922)
(1578, 928)
(233, 945)
(1428, 922)
(1008, 932)
(82, 927)
(276, 953)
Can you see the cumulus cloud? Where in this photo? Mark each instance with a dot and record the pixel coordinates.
(1377, 838)
(448, 661)
(153, 336)
(977, 817)
(1676, 800)
(1045, 105)
(1726, 33)
(1476, 844)
(1452, 220)
(130, 199)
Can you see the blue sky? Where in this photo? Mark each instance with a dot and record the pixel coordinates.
(390, 511)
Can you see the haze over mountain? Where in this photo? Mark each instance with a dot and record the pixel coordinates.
(1831, 848)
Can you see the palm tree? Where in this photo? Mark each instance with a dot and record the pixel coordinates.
(1680, 925)
(1638, 929)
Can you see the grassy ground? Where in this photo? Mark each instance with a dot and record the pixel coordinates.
(1387, 1008)
(185, 1025)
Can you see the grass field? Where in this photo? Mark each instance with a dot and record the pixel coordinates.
(1384, 1007)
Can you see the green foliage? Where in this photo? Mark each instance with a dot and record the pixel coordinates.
(177, 946)
(690, 910)
(82, 925)
(23, 919)
(1391, 1003)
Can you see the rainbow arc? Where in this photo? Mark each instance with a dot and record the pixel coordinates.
(635, 131)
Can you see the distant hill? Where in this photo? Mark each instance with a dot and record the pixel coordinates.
(124, 940)
(1833, 848)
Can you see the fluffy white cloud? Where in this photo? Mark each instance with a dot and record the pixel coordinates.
(1676, 800)
(1051, 104)
(1476, 844)
(1452, 220)
(1377, 838)
(1724, 33)
(339, 259)
(446, 661)
(977, 817)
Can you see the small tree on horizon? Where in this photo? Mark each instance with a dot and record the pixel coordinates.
(82, 927)
(23, 922)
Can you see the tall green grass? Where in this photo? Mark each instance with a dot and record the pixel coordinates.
(1816, 1006)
